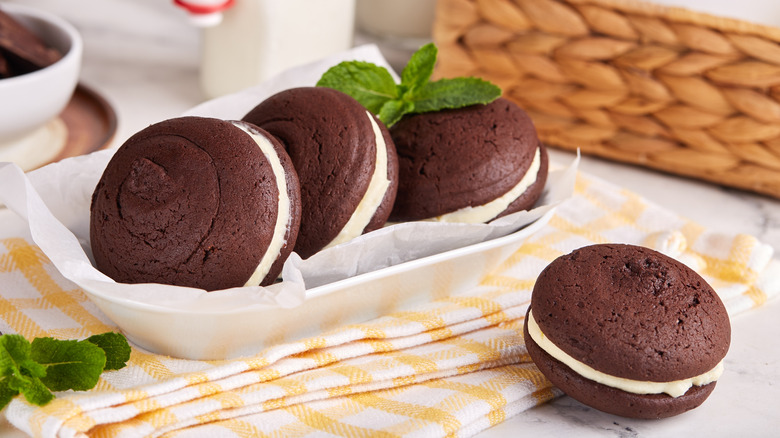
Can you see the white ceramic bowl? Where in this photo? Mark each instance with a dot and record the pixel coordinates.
(31, 100)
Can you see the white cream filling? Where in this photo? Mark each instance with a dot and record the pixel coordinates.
(377, 188)
(674, 388)
(282, 218)
(486, 212)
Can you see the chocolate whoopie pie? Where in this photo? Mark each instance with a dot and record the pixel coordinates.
(344, 157)
(197, 202)
(471, 164)
(627, 330)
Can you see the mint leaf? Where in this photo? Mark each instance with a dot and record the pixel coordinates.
(375, 89)
(69, 364)
(13, 349)
(393, 110)
(47, 364)
(15, 362)
(36, 392)
(419, 69)
(116, 348)
(19, 373)
(368, 83)
(6, 392)
(454, 93)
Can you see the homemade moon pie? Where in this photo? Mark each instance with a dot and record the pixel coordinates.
(627, 330)
(344, 157)
(196, 202)
(471, 164)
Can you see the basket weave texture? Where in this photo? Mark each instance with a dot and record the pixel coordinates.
(666, 88)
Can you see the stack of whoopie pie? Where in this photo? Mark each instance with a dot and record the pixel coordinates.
(214, 204)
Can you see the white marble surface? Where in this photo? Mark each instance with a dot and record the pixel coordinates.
(143, 56)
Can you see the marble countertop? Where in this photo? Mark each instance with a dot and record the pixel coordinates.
(143, 57)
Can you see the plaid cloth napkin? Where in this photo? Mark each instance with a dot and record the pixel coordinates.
(453, 367)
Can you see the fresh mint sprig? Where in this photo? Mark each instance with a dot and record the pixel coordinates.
(35, 369)
(374, 87)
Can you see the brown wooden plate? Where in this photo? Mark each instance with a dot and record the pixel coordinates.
(87, 124)
(91, 123)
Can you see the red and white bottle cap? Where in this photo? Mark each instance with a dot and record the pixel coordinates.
(204, 13)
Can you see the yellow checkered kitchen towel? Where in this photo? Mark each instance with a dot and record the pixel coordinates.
(450, 368)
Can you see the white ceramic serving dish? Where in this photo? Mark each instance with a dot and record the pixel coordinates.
(239, 332)
(194, 324)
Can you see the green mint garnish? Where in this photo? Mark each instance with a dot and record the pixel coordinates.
(116, 348)
(375, 89)
(368, 83)
(47, 364)
(69, 364)
(19, 373)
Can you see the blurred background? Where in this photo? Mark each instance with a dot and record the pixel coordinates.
(151, 60)
(146, 59)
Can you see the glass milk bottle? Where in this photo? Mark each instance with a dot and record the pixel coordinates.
(257, 39)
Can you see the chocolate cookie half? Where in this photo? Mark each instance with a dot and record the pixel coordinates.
(627, 330)
(471, 164)
(344, 157)
(196, 202)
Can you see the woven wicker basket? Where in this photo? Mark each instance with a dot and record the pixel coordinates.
(666, 88)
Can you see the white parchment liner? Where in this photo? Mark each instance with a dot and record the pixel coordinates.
(55, 201)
